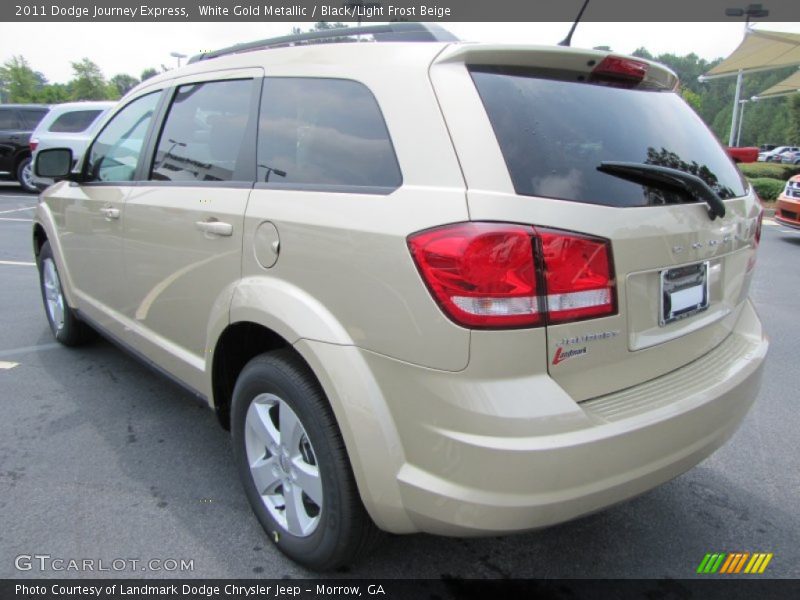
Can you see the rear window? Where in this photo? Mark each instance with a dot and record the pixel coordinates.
(74, 122)
(8, 119)
(554, 133)
(32, 116)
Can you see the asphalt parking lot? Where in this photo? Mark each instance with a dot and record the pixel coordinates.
(102, 459)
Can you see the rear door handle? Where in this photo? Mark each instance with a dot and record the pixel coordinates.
(110, 212)
(215, 227)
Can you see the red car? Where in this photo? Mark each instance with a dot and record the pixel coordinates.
(787, 211)
(743, 155)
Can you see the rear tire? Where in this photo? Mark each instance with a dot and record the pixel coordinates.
(64, 323)
(286, 437)
(25, 176)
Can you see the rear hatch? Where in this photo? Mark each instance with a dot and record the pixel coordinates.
(586, 144)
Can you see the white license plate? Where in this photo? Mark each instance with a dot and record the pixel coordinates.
(684, 292)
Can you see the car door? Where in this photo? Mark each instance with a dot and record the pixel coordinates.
(183, 224)
(89, 215)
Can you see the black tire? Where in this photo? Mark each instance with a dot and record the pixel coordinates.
(23, 178)
(344, 531)
(69, 330)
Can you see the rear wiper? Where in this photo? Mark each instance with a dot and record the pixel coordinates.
(667, 179)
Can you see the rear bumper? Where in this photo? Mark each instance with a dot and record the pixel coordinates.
(466, 455)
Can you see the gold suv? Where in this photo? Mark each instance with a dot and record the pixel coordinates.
(458, 288)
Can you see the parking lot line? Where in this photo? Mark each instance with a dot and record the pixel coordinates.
(7, 365)
(17, 263)
(15, 352)
(3, 212)
(10, 219)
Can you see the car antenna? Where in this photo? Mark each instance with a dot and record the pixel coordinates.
(568, 40)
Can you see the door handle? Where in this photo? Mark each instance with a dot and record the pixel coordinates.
(109, 212)
(215, 227)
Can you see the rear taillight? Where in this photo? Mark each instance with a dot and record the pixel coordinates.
(33, 144)
(617, 70)
(482, 274)
(578, 274)
(496, 275)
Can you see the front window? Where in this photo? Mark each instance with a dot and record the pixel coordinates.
(115, 153)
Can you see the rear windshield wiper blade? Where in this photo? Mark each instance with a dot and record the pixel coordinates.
(668, 179)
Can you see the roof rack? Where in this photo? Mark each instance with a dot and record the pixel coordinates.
(391, 32)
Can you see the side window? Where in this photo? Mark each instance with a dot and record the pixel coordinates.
(8, 119)
(74, 122)
(115, 152)
(202, 136)
(323, 132)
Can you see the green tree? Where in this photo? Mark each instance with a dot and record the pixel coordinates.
(54, 93)
(88, 82)
(793, 108)
(19, 82)
(148, 73)
(121, 84)
(692, 99)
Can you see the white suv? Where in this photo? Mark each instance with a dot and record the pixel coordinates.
(70, 125)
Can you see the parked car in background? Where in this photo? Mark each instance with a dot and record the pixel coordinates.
(770, 155)
(791, 157)
(17, 122)
(787, 210)
(69, 125)
(766, 147)
(743, 155)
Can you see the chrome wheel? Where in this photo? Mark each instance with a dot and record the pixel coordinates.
(26, 176)
(52, 293)
(283, 465)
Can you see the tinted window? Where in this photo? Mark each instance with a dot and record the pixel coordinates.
(8, 119)
(202, 137)
(115, 153)
(74, 122)
(554, 134)
(33, 116)
(325, 132)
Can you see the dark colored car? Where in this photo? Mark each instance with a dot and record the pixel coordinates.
(17, 122)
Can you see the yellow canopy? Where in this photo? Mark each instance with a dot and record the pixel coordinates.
(789, 85)
(760, 50)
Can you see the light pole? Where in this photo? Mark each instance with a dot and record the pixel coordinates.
(753, 11)
(179, 56)
(742, 104)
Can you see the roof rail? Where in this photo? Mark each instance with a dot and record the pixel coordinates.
(391, 32)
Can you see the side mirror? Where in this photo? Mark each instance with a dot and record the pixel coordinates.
(55, 163)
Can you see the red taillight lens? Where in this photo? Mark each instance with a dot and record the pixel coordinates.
(490, 275)
(578, 274)
(33, 144)
(619, 70)
(482, 274)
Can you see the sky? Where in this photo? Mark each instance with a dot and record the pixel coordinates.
(132, 47)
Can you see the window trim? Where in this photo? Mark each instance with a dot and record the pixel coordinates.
(249, 141)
